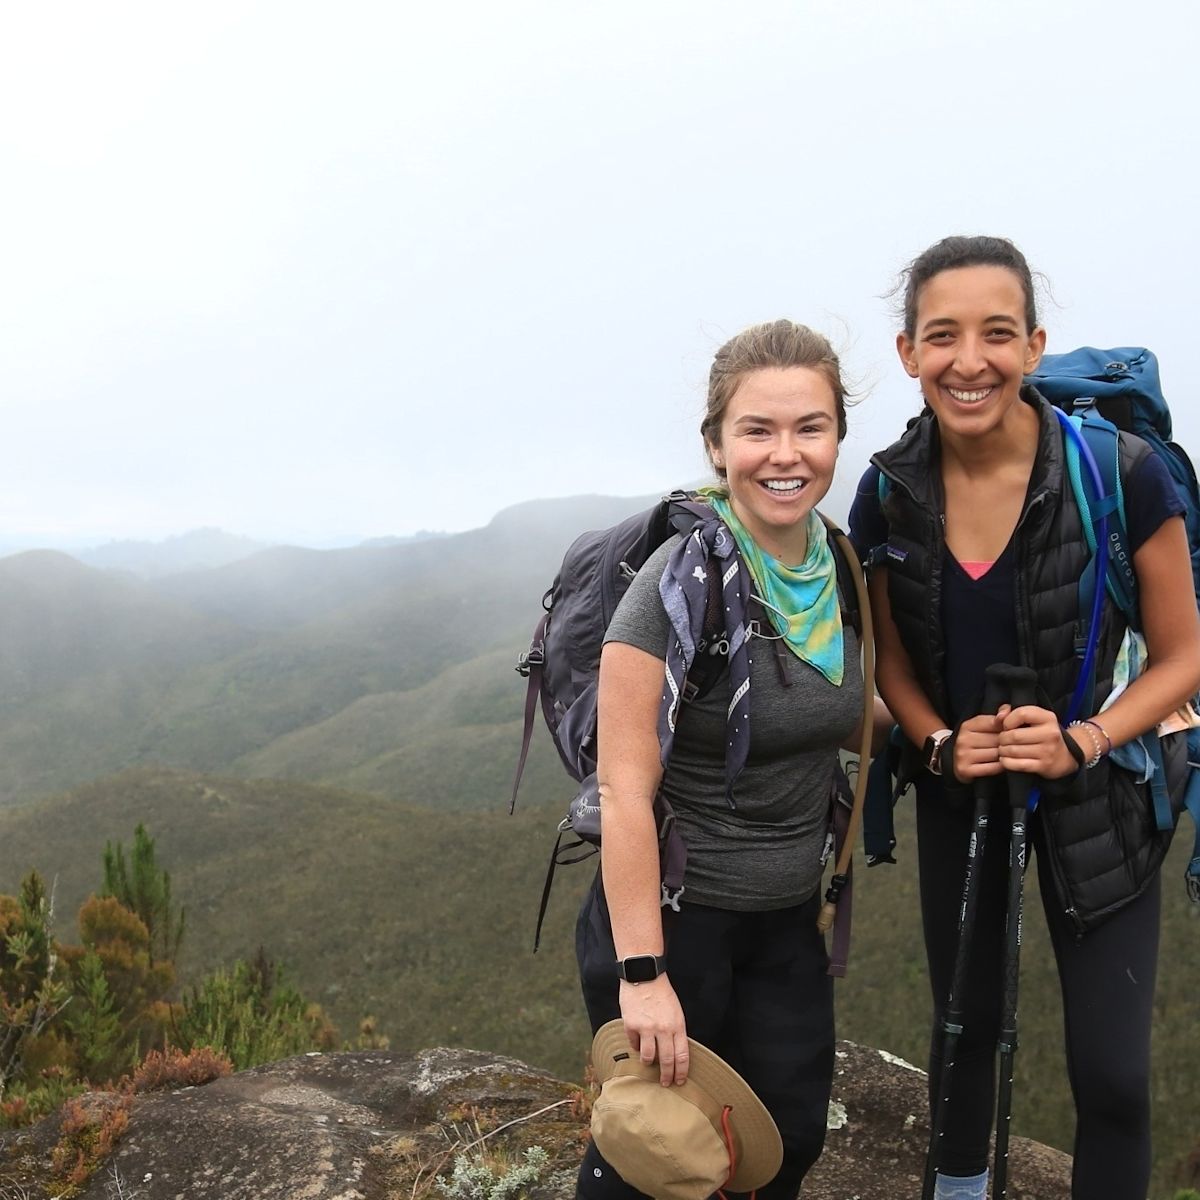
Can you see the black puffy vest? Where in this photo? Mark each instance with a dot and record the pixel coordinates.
(1104, 847)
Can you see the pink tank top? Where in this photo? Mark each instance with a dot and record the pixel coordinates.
(977, 570)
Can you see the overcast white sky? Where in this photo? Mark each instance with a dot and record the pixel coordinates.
(317, 272)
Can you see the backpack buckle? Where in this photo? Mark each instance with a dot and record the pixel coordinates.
(670, 899)
(535, 656)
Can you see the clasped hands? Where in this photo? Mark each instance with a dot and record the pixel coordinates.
(1027, 739)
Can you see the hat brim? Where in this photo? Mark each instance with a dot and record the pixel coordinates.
(759, 1146)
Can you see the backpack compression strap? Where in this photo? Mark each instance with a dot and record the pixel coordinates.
(1191, 801)
(530, 663)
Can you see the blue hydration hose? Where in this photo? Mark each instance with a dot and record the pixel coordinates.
(1099, 523)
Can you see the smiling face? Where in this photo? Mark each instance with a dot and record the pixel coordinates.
(777, 446)
(970, 347)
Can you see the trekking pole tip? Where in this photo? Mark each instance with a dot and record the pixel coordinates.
(825, 917)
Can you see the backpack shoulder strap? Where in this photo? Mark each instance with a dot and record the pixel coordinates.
(1090, 441)
(845, 559)
(1093, 454)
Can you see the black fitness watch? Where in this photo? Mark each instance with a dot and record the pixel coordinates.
(641, 968)
(931, 752)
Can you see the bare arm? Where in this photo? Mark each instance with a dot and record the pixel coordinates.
(976, 747)
(881, 725)
(1172, 675)
(629, 772)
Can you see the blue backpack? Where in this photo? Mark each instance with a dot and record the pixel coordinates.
(1098, 393)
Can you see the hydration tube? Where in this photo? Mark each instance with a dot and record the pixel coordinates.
(1100, 524)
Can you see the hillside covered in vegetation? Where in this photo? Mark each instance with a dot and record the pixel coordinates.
(321, 745)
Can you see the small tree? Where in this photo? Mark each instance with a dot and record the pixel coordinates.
(136, 987)
(93, 1021)
(143, 888)
(31, 995)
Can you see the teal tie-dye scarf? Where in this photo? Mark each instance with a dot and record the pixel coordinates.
(803, 598)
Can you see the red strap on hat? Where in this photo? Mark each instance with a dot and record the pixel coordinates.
(729, 1149)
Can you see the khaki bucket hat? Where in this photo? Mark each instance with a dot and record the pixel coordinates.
(670, 1142)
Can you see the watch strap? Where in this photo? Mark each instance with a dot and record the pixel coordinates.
(641, 968)
(931, 752)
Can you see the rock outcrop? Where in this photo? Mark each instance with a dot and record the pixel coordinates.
(371, 1125)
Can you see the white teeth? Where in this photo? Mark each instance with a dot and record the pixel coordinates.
(968, 397)
(784, 485)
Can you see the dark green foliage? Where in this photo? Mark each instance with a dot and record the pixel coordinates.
(93, 1022)
(31, 994)
(85, 1014)
(144, 889)
(251, 1015)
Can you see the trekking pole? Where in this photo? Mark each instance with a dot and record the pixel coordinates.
(986, 790)
(1022, 689)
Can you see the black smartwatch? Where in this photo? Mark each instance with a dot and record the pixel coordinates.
(931, 752)
(641, 968)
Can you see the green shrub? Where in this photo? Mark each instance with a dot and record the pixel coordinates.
(251, 1015)
(31, 992)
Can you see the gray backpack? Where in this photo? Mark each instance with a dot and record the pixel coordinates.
(563, 661)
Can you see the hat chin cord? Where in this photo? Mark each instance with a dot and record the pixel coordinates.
(728, 1132)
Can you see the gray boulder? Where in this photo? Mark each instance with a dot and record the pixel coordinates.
(372, 1125)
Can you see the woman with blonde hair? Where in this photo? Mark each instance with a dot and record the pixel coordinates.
(741, 967)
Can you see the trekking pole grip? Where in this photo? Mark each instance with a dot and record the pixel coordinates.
(1021, 683)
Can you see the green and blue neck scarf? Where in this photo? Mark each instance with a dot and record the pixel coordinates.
(801, 602)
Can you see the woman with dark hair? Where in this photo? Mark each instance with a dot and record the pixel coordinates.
(979, 547)
(743, 968)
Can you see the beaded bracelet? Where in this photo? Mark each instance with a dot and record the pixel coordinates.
(1097, 748)
(1096, 725)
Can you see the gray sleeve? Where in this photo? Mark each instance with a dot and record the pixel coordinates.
(640, 619)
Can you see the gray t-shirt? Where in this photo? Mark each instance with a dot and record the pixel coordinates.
(766, 853)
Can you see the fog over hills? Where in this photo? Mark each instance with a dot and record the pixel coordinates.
(64, 621)
(195, 550)
(281, 660)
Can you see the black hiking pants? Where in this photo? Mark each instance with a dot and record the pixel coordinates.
(754, 989)
(1107, 983)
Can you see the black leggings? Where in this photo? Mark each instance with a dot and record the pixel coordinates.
(754, 988)
(1107, 983)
